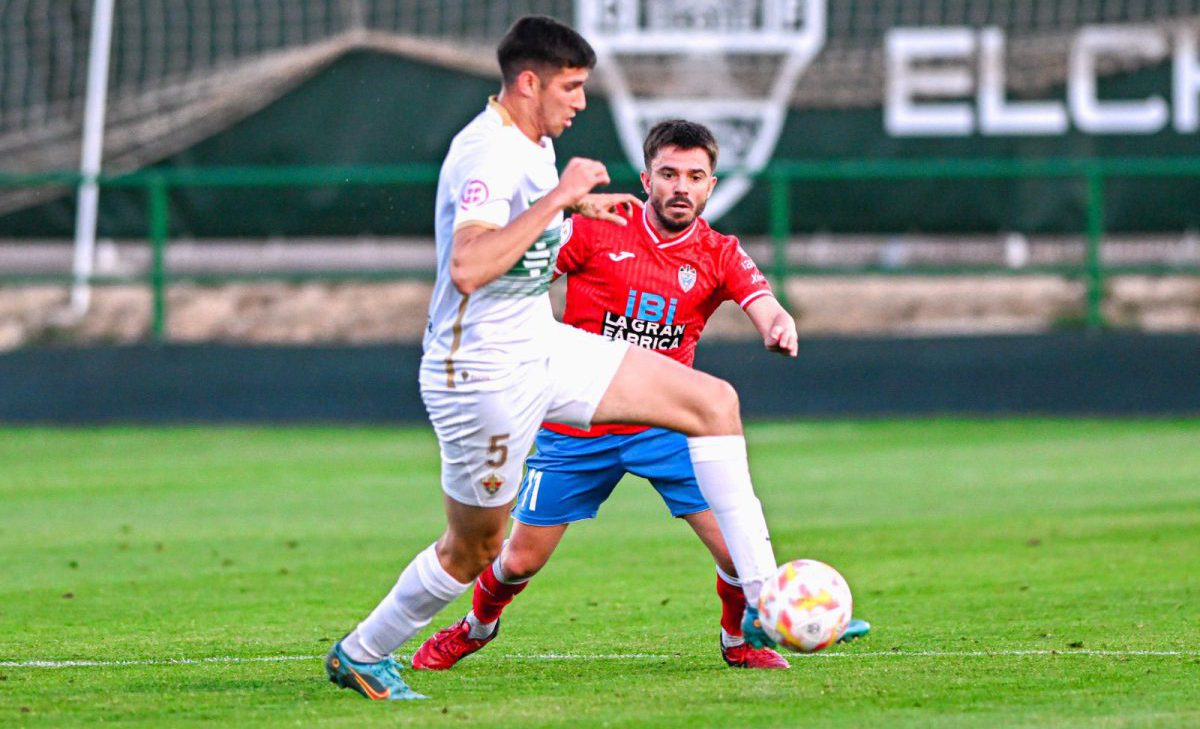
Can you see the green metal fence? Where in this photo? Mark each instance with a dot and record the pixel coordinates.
(780, 176)
(1093, 172)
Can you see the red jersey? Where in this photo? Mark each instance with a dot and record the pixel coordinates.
(627, 283)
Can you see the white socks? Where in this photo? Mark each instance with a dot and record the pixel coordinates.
(723, 472)
(424, 588)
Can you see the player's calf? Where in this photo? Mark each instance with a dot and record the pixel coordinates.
(473, 538)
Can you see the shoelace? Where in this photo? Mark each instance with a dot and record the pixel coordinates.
(443, 646)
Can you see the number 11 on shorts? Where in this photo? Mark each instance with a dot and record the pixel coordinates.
(528, 495)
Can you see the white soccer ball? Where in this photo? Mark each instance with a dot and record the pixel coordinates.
(805, 605)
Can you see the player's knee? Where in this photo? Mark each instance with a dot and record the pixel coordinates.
(519, 565)
(720, 410)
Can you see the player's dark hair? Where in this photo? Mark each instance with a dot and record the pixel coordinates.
(680, 133)
(540, 43)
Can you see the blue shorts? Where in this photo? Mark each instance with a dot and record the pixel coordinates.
(568, 477)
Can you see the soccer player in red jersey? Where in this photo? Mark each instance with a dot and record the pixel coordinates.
(653, 282)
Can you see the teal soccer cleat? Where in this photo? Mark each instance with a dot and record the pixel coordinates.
(752, 629)
(377, 681)
(855, 629)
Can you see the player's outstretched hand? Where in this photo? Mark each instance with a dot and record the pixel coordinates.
(782, 337)
(577, 180)
(613, 207)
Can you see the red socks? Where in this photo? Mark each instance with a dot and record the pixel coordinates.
(733, 606)
(491, 596)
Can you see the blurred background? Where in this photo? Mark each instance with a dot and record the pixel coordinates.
(222, 209)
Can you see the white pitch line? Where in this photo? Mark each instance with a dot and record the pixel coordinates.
(971, 654)
(611, 657)
(875, 654)
(591, 657)
(154, 662)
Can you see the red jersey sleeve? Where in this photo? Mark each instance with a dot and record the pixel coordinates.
(741, 281)
(574, 251)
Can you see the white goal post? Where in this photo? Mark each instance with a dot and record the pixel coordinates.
(91, 155)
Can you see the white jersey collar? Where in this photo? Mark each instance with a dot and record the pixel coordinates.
(495, 107)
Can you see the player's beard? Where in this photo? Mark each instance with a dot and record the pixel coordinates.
(671, 224)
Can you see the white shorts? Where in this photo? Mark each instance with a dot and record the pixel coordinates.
(485, 435)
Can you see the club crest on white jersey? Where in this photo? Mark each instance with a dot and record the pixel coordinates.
(474, 193)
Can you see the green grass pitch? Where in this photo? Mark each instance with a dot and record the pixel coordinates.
(1020, 572)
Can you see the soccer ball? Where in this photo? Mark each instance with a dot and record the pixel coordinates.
(805, 605)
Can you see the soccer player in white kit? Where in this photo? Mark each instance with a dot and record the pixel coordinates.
(496, 363)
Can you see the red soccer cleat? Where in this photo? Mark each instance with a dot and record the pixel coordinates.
(448, 646)
(747, 656)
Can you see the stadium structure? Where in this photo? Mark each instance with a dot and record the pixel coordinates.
(909, 167)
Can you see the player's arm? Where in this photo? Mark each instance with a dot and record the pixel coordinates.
(744, 283)
(481, 254)
(775, 324)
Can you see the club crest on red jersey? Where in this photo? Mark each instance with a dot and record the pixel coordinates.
(687, 277)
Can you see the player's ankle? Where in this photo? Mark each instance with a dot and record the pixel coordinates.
(731, 641)
(358, 651)
(479, 629)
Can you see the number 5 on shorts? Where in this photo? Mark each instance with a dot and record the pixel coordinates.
(497, 451)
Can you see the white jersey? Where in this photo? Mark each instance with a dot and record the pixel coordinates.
(491, 174)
